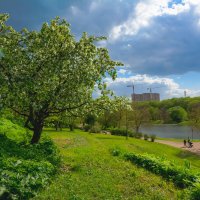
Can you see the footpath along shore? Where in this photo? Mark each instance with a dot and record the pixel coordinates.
(195, 149)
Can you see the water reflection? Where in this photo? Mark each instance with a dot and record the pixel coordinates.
(171, 131)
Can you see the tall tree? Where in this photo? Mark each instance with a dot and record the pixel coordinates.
(139, 115)
(194, 116)
(48, 71)
(177, 114)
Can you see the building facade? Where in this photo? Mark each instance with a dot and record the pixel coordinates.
(146, 97)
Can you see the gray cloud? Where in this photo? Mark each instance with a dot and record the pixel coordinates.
(94, 17)
(170, 45)
(32, 14)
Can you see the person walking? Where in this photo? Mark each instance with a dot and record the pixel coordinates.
(184, 142)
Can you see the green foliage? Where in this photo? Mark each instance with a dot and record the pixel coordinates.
(87, 127)
(194, 115)
(23, 178)
(96, 128)
(153, 137)
(47, 72)
(124, 132)
(24, 168)
(177, 114)
(121, 132)
(116, 151)
(13, 131)
(146, 137)
(195, 192)
(181, 176)
(138, 115)
(90, 119)
(159, 111)
(137, 135)
(89, 171)
(10, 115)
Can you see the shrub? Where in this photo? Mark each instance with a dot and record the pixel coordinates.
(146, 137)
(95, 129)
(116, 151)
(153, 137)
(177, 114)
(181, 176)
(137, 135)
(121, 132)
(24, 168)
(195, 192)
(22, 178)
(87, 127)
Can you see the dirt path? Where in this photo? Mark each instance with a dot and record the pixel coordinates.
(194, 149)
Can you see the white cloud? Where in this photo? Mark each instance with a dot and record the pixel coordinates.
(167, 87)
(144, 12)
(195, 3)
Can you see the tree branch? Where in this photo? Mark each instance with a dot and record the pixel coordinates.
(20, 113)
(66, 108)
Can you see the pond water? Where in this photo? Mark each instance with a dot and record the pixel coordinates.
(170, 131)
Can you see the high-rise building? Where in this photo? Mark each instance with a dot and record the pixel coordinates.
(146, 97)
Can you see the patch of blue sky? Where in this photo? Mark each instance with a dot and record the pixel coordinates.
(170, 4)
(189, 80)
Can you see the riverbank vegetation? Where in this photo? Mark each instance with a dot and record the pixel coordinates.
(182, 111)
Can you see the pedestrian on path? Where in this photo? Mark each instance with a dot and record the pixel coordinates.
(185, 142)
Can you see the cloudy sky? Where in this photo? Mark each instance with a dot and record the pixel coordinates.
(157, 40)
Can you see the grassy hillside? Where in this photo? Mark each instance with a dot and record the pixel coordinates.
(24, 169)
(89, 171)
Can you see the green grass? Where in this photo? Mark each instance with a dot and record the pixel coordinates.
(24, 168)
(89, 171)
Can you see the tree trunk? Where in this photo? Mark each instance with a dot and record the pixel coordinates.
(37, 133)
(137, 129)
(56, 126)
(71, 127)
(60, 126)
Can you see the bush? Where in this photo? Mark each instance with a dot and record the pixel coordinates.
(137, 135)
(180, 175)
(116, 151)
(24, 168)
(153, 137)
(121, 132)
(146, 137)
(177, 114)
(13, 131)
(22, 178)
(87, 127)
(95, 129)
(195, 192)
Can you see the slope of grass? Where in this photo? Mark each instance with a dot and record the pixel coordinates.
(24, 168)
(89, 171)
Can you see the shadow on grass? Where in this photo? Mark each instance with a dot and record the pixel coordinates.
(12, 148)
(9, 147)
(187, 154)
